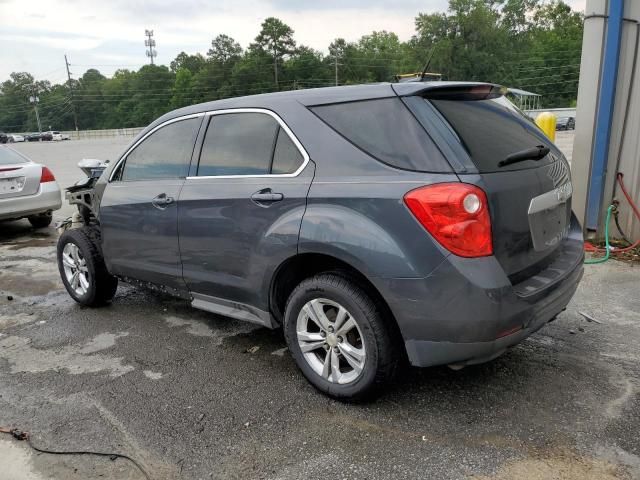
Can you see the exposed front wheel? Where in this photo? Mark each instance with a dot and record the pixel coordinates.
(82, 268)
(338, 337)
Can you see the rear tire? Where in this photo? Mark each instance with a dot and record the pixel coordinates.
(42, 220)
(82, 267)
(353, 354)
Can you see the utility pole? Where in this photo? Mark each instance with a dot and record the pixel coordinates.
(275, 65)
(73, 105)
(335, 63)
(35, 99)
(150, 42)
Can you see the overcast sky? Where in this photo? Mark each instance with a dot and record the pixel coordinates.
(109, 34)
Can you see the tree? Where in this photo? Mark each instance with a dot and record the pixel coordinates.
(224, 49)
(276, 38)
(182, 89)
(530, 44)
(193, 63)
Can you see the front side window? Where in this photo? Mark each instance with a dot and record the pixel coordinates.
(164, 154)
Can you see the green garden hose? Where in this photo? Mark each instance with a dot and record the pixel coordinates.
(606, 240)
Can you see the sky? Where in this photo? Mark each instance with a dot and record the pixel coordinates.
(109, 34)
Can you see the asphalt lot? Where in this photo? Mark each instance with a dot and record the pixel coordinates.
(194, 395)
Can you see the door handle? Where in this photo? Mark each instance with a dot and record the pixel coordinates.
(162, 201)
(266, 197)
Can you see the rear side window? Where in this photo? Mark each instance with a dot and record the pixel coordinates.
(491, 130)
(286, 156)
(166, 153)
(9, 157)
(238, 144)
(386, 130)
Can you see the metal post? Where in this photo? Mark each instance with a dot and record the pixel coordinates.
(604, 112)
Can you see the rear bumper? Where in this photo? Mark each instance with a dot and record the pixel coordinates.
(47, 198)
(467, 311)
(423, 353)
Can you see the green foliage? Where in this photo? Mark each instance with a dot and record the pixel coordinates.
(530, 44)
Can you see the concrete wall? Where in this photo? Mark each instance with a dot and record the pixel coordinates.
(109, 133)
(624, 145)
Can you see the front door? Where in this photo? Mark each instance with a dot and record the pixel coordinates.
(139, 207)
(240, 212)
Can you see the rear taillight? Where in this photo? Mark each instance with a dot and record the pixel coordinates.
(456, 215)
(46, 176)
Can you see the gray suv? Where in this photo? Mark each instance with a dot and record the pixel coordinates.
(376, 224)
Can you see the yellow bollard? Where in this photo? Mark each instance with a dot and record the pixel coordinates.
(547, 123)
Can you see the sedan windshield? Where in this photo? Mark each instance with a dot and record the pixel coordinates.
(10, 157)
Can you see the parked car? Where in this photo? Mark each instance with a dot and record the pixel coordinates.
(15, 138)
(33, 137)
(375, 223)
(51, 136)
(3, 137)
(27, 189)
(565, 123)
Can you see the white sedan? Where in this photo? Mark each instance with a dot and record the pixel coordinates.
(14, 138)
(27, 189)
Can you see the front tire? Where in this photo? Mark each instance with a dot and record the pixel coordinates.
(82, 268)
(339, 338)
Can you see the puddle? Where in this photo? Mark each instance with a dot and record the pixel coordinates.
(200, 329)
(23, 357)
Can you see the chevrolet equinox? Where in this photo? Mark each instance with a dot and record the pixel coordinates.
(375, 224)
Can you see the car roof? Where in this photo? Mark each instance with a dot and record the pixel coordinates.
(317, 96)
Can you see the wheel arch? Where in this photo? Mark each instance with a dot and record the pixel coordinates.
(297, 268)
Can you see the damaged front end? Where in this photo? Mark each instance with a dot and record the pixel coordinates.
(83, 195)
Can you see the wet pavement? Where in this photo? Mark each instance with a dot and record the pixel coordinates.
(193, 395)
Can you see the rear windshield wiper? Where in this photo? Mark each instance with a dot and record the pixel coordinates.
(535, 153)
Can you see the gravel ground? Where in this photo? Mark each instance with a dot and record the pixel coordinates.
(194, 395)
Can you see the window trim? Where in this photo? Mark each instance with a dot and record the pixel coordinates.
(283, 126)
(224, 111)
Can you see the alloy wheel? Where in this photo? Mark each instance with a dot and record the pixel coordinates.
(75, 269)
(331, 341)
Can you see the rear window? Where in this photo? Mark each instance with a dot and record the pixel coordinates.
(491, 130)
(386, 130)
(9, 157)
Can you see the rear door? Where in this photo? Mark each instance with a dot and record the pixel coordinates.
(139, 208)
(530, 201)
(241, 208)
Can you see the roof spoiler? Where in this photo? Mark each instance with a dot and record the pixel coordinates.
(465, 92)
(456, 91)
